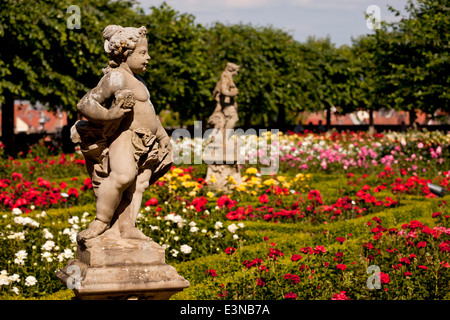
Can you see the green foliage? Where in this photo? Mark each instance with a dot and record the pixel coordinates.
(319, 278)
(411, 58)
(402, 65)
(331, 72)
(43, 60)
(179, 76)
(271, 72)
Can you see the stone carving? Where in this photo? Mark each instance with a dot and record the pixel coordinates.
(225, 115)
(124, 144)
(221, 153)
(126, 149)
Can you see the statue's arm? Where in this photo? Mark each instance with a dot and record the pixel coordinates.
(90, 106)
(227, 87)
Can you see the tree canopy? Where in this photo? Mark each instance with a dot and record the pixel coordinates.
(403, 65)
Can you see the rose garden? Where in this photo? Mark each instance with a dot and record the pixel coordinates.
(337, 190)
(347, 216)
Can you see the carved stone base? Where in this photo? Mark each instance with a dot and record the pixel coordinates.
(109, 267)
(218, 175)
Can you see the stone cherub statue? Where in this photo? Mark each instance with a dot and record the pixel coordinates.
(225, 115)
(221, 154)
(124, 144)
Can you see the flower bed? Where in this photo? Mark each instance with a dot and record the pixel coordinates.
(343, 214)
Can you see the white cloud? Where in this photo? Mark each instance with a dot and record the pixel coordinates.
(240, 4)
(214, 5)
(326, 4)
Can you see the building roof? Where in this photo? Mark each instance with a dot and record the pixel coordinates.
(28, 117)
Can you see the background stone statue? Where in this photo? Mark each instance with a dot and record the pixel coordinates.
(124, 144)
(221, 152)
(225, 115)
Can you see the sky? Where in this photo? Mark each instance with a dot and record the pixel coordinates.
(339, 19)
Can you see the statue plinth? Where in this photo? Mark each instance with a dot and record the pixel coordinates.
(109, 267)
(221, 155)
(223, 169)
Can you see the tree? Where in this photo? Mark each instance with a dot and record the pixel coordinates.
(179, 75)
(41, 59)
(365, 78)
(412, 58)
(271, 73)
(329, 68)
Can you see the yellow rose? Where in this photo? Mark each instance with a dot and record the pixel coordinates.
(270, 182)
(231, 180)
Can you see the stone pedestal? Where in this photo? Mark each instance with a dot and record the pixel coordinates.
(109, 267)
(222, 164)
(218, 175)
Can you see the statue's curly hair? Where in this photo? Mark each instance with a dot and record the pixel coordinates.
(120, 43)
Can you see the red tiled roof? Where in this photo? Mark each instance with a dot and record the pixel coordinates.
(390, 117)
(30, 116)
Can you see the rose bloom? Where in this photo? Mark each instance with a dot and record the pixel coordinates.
(421, 244)
(211, 272)
(320, 249)
(340, 296)
(423, 267)
(384, 278)
(260, 282)
(223, 294)
(436, 214)
(185, 249)
(296, 257)
(407, 274)
(341, 267)
(405, 260)
(340, 239)
(151, 202)
(293, 277)
(290, 295)
(230, 250)
(263, 198)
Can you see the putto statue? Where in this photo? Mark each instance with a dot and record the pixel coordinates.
(225, 115)
(124, 144)
(126, 149)
(221, 154)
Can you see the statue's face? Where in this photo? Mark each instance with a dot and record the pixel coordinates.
(233, 71)
(138, 60)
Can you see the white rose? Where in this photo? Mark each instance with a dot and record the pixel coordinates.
(185, 249)
(30, 281)
(16, 211)
(193, 229)
(232, 228)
